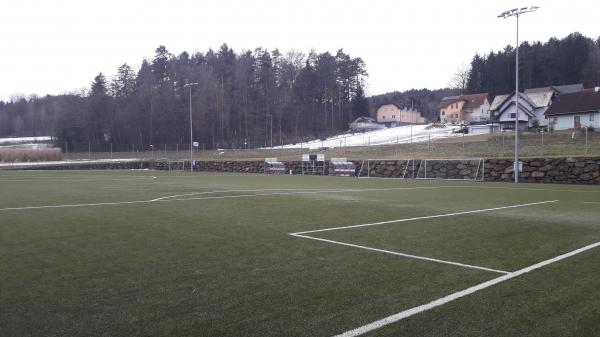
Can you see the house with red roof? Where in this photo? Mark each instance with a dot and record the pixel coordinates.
(472, 108)
(575, 110)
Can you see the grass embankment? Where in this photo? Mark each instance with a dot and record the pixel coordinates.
(496, 145)
(30, 155)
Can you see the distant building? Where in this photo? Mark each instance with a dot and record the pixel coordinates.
(473, 108)
(362, 124)
(449, 109)
(534, 103)
(503, 109)
(575, 110)
(392, 114)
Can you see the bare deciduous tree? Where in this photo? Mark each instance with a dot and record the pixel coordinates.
(460, 78)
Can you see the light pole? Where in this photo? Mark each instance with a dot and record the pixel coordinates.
(271, 128)
(191, 129)
(516, 12)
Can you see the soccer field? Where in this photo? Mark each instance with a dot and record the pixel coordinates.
(144, 253)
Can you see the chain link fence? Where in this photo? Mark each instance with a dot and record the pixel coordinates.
(494, 145)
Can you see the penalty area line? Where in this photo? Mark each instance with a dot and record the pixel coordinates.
(454, 296)
(425, 217)
(417, 257)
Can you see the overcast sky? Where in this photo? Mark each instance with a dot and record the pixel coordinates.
(51, 47)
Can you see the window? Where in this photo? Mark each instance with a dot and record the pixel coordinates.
(393, 116)
(513, 115)
(443, 112)
(591, 117)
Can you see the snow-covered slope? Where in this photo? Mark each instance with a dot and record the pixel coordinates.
(400, 134)
(25, 140)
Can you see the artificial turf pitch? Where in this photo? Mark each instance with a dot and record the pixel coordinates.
(123, 253)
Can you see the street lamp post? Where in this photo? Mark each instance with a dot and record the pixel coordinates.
(516, 12)
(191, 129)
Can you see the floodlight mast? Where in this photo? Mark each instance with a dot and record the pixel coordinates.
(191, 129)
(516, 12)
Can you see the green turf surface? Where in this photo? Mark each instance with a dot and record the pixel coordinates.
(216, 258)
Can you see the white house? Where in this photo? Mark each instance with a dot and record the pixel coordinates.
(576, 110)
(504, 111)
(536, 101)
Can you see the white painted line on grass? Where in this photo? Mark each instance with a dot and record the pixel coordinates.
(230, 191)
(75, 205)
(208, 198)
(464, 265)
(70, 180)
(452, 297)
(425, 217)
(528, 189)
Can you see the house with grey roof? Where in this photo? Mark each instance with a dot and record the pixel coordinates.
(533, 104)
(504, 111)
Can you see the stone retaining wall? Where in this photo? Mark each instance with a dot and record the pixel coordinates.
(576, 170)
(581, 170)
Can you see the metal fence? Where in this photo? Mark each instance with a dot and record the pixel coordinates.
(499, 144)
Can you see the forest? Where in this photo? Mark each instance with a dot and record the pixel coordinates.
(256, 98)
(248, 99)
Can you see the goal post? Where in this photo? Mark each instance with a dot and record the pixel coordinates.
(452, 169)
(389, 168)
(442, 169)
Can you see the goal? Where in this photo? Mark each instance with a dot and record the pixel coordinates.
(451, 169)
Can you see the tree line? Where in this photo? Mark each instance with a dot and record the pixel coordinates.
(573, 59)
(238, 100)
(241, 99)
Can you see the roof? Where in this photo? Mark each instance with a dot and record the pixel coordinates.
(501, 99)
(541, 98)
(561, 89)
(363, 119)
(474, 100)
(390, 103)
(498, 100)
(583, 101)
(538, 99)
(569, 88)
(447, 101)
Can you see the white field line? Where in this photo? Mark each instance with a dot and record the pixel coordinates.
(55, 179)
(172, 198)
(526, 188)
(403, 254)
(424, 217)
(454, 296)
(296, 191)
(229, 191)
(74, 205)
